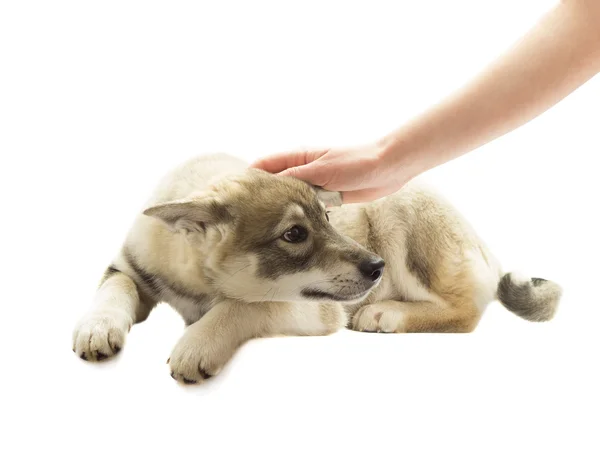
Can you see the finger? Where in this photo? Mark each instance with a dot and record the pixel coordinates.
(278, 162)
(282, 161)
(312, 173)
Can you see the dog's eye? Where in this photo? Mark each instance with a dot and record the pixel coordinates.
(296, 234)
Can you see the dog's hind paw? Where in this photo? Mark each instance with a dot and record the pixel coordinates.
(381, 317)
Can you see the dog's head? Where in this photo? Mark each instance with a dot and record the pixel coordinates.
(262, 237)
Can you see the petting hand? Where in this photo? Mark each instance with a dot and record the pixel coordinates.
(361, 173)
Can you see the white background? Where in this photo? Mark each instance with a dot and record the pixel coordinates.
(99, 99)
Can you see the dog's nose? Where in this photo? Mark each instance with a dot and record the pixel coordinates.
(372, 268)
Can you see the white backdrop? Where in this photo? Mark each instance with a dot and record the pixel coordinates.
(99, 99)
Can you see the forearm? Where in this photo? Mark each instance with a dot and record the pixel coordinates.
(557, 56)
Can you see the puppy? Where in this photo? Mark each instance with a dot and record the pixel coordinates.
(241, 253)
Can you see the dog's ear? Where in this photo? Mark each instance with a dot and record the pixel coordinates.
(192, 214)
(329, 198)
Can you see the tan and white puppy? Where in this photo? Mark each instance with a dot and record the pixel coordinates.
(241, 253)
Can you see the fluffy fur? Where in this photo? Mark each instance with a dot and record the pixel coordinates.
(219, 242)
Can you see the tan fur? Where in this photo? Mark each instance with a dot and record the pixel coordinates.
(208, 344)
(332, 316)
(212, 243)
(416, 224)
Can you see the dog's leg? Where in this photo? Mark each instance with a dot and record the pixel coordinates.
(101, 332)
(415, 317)
(208, 344)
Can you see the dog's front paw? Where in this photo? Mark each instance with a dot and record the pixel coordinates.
(100, 334)
(382, 317)
(197, 357)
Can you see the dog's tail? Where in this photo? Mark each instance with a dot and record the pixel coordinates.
(533, 299)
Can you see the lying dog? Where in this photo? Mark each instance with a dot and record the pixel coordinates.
(241, 253)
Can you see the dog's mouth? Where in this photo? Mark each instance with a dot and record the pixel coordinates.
(318, 294)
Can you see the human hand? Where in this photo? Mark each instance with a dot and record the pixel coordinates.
(361, 173)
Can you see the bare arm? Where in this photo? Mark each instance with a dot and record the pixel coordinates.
(559, 54)
(553, 59)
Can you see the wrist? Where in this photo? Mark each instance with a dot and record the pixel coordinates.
(396, 154)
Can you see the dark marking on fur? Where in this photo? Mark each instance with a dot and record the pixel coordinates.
(372, 240)
(431, 237)
(538, 281)
(219, 212)
(197, 211)
(320, 294)
(535, 300)
(189, 382)
(260, 208)
(101, 356)
(516, 298)
(151, 281)
(82, 356)
(110, 271)
(158, 283)
(205, 375)
(275, 261)
(417, 262)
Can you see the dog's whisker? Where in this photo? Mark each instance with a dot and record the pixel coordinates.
(222, 284)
